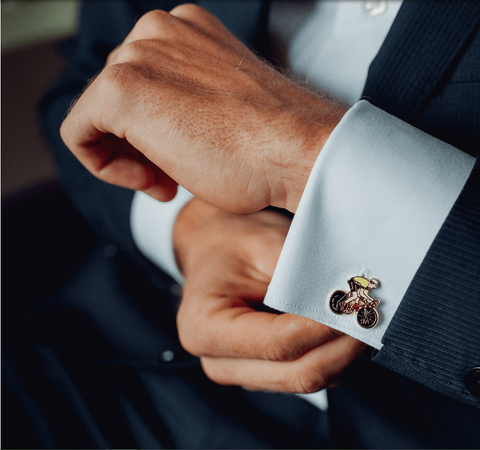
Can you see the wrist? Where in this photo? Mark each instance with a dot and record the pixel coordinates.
(189, 220)
(310, 130)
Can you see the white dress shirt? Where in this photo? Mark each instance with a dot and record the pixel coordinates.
(331, 43)
(378, 193)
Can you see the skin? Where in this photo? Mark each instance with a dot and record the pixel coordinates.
(183, 101)
(227, 261)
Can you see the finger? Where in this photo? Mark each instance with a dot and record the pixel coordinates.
(86, 126)
(180, 23)
(202, 20)
(313, 371)
(157, 25)
(163, 190)
(139, 174)
(184, 24)
(229, 327)
(113, 159)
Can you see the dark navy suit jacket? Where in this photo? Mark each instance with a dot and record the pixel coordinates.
(412, 392)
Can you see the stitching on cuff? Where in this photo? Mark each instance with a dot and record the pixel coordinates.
(323, 313)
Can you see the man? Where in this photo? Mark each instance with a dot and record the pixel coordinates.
(256, 349)
(359, 294)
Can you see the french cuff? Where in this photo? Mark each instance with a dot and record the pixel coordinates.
(152, 224)
(376, 198)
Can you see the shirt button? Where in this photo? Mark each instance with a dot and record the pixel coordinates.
(472, 381)
(375, 7)
(167, 356)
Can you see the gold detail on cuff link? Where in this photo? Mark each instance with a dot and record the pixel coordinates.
(357, 300)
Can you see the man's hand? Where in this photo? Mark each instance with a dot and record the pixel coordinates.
(182, 99)
(228, 261)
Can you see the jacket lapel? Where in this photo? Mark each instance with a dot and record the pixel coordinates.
(423, 42)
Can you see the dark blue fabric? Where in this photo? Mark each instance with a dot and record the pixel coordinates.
(430, 46)
(435, 334)
(86, 368)
(428, 74)
(103, 25)
(377, 408)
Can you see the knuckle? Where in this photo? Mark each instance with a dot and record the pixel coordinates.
(211, 371)
(144, 56)
(134, 52)
(188, 342)
(153, 21)
(308, 383)
(277, 351)
(188, 335)
(120, 78)
(187, 10)
(112, 57)
(289, 344)
(115, 75)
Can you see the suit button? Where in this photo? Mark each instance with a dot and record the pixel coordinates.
(472, 381)
(167, 356)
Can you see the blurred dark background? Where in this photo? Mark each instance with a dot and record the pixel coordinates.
(43, 237)
(30, 30)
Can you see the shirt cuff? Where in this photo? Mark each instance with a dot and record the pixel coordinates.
(152, 224)
(375, 200)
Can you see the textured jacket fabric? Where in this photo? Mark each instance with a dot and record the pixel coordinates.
(410, 394)
(427, 74)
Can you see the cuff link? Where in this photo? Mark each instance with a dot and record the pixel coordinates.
(357, 300)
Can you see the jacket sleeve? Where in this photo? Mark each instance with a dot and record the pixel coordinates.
(386, 199)
(101, 27)
(434, 337)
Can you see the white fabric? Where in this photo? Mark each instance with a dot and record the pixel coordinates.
(152, 223)
(335, 45)
(332, 43)
(304, 28)
(372, 213)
